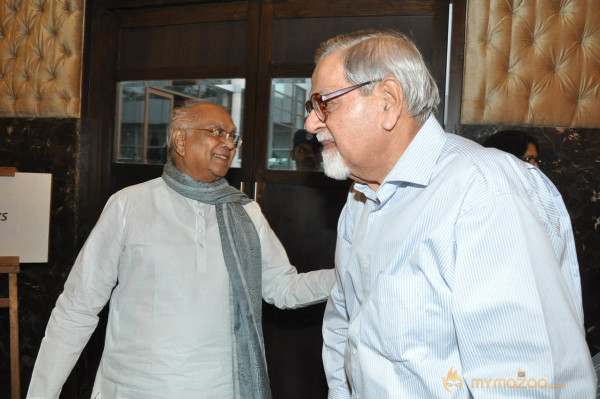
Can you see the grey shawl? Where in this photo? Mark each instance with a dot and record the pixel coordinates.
(241, 249)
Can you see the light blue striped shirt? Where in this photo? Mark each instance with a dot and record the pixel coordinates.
(457, 278)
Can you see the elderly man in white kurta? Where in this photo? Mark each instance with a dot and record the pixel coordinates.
(184, 260)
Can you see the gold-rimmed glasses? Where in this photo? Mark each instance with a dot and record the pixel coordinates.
(222, 134)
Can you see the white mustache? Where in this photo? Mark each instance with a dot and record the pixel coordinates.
(325, 136)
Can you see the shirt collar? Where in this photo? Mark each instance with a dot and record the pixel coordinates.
(416, 164)
(418, 160)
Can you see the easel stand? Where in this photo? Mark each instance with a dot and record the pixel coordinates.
(10, 265)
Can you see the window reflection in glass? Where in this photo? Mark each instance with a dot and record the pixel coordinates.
(159, 108)
(144, 107)
(289, 146)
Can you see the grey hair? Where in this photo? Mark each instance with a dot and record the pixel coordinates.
(374, 55)
(181, 118)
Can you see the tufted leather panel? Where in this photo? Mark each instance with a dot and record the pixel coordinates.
(40, 57)
(532, 62)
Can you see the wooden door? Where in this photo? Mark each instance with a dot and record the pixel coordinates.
(258, 41)
(303, 207)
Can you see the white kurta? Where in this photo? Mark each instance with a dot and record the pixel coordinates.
(157, 256)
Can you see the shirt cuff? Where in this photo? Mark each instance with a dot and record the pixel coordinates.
(342, 392)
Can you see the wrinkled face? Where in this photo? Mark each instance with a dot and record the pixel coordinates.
(347, 134)
(199, 153)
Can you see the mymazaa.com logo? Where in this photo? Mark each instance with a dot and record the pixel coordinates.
(453, 382)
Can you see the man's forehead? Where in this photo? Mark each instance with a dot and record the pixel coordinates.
(208, 109)
(327, 74)
(213, 115)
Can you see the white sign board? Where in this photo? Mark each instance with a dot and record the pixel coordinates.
(25, 216)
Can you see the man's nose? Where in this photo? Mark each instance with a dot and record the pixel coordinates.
(228, 144)
(313, 123)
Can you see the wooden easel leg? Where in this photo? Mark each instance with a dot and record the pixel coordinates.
(14, 337)
(10, 266)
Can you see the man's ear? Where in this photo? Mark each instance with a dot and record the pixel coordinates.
(393, 102)
(179, 141)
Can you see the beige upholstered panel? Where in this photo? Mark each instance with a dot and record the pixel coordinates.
(532, 62)
(40, 57)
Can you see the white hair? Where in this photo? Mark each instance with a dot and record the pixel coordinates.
(181, 118)
(375, 55)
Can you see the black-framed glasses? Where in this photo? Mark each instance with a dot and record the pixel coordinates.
(318, 102)
(222, 134)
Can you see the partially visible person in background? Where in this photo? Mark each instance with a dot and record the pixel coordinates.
(307, 151)
(518, 143)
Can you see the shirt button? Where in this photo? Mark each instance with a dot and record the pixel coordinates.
(200, 231)
(366, 261)
(378, 212)
(353, 396)
(354, 351)
(201, 245)
(200, 213)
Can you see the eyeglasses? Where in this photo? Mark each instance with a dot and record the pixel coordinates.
(532, 160)
(222, 135)
(318, 102)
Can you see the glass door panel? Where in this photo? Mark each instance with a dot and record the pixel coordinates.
(130, 121)
(159, 110)
(290, 147)
(144, 108)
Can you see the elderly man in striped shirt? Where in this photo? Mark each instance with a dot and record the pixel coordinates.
(457, 274)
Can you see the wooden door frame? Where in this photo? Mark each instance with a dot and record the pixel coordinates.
(456, 60)
(105, 19)
(267, 70)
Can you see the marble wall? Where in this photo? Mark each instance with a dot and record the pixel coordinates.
(571, 159)
(41, 146)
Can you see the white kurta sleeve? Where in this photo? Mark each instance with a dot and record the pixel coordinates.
(282, 285)
(335, 330)
(336, 319)
(75, 315)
